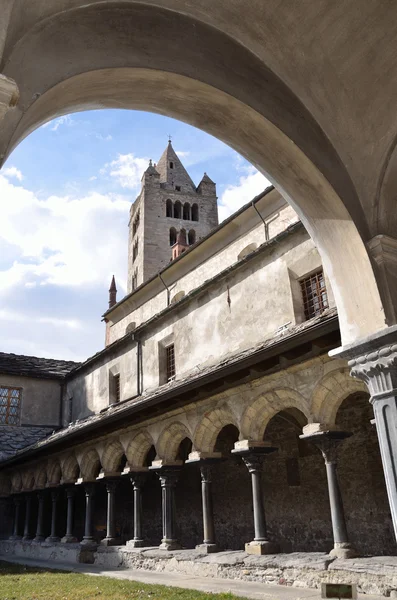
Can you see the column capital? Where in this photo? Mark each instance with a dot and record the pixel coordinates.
(327, 442)
(70, 491)
(137, 478)
(253, 453)
(169, 476)
(111, 485)
(54, 495)
(378, 369)
(89, 489)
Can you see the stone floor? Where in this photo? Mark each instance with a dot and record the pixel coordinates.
(372, 575)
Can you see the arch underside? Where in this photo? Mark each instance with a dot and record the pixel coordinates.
(249, 108)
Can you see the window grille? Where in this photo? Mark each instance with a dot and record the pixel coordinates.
(170, 360)
(117, 387)
(10, 405)
(315, 297)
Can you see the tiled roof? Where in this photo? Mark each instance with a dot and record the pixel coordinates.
(31, 366)
(13, 439)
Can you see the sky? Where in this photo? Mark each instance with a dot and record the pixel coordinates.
(65, 193)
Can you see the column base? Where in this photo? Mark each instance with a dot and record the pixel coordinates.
(38, 539)
(89, 543)
(52, 539)
(135, 544)
(69, 539)
(208, 548)
(109, 541)
(27, 538)
(170, 545)
(343, 550)
(259, 548)
(15, 538)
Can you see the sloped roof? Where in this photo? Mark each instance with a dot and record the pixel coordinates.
(178, 174)
(32, 366)
(13, 439)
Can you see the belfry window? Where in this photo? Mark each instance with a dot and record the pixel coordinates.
(191, 237)
(186, 211)
(171, 165)
(314, 293)
(169, 212)
(10, 405)
(172, 236)
(177, 210)
(195, 212)
(135, 251)
(170, 362)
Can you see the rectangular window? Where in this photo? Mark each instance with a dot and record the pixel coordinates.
(10, 405)
(170, 362)
(116, 381)
(70, 409)
(314, 292)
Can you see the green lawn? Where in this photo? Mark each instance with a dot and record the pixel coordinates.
(24, 583)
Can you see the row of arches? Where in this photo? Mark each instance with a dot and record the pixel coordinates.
(190, 236)
(184, 211)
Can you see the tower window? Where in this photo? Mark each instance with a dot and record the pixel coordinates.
(114, 388)
(135, 251)
(10, 405)
(135, 224)
(314, 293)
(135, 279)
(191, 237)
(186, 211)
(171, 165)
(172, 236)
(195, 212)
(70, 409)
(170, 362)
(169, 212)
(178, 188)
(177, 210)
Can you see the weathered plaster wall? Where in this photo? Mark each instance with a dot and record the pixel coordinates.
(40, 399)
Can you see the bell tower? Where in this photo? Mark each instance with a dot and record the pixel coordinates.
(167, 204)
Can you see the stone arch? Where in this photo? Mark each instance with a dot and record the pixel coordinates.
(27, 480)
(54, 472)
(70, 469)
(111, 457)
(90, 465)
(330, 392)
(40, 477)
(16, 482)
(209, 427)
(258, 414)
(138, 448)
(170, 438)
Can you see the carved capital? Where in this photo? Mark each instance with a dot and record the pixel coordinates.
(206, 473)
(137, 479)
(89, 489)
(327, 442)
(253, 462)
(168, 477)
(111, 486)
(378, 370)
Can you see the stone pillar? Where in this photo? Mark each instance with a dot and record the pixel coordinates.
(28, 511)
(69, 538)
(40, 537)
(168, 479)
(88, 539)
(374, 361)
(17, 519)
(138, 480)
(253, 455)
(328, 442)
(111, 539)
(54, 501)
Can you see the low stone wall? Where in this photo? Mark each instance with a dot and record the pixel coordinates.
(372, 575)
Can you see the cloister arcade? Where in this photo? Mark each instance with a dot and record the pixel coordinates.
(93, 499)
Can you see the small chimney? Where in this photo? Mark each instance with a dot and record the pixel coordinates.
(112, 293)
(180, 245)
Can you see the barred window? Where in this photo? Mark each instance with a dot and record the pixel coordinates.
(170, 362)
(314, 292)
(117, 387)
(10, 405)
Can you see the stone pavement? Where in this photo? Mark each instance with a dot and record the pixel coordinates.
(244, 589)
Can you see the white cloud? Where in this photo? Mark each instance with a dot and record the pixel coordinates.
(65, 120)
(62, 240)
(16, 317)
(126, 169)
(12, 172)
(182, 153)
(93, 178)
(104, 138)
(250, 185)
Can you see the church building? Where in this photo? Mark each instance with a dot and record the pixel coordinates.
(213, 418)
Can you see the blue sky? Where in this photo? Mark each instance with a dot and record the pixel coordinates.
(65, 194)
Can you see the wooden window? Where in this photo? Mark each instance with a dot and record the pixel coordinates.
(314, 292)
(10, 405)
(170, 362)
(116, 382)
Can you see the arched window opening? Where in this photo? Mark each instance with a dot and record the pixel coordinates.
(185, 448)
(226, 439)
(171, 165)
(123, 463)
(169, 209)
(177, 210)
(172, 236)
(191, 237)
(186, 211)
(195, 212)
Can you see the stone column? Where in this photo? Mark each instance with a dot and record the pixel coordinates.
(168, 479)
(88, 539)
(328, 442)
(378, 369)
(111, 539)
(54, 501)
(69, 538)
(28, 511)
(253, 455)
(40, 537)
(138, 480)
(17, 518)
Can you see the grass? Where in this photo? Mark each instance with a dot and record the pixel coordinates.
(24, 583)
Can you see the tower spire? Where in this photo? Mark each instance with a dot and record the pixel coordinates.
(112, 293)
